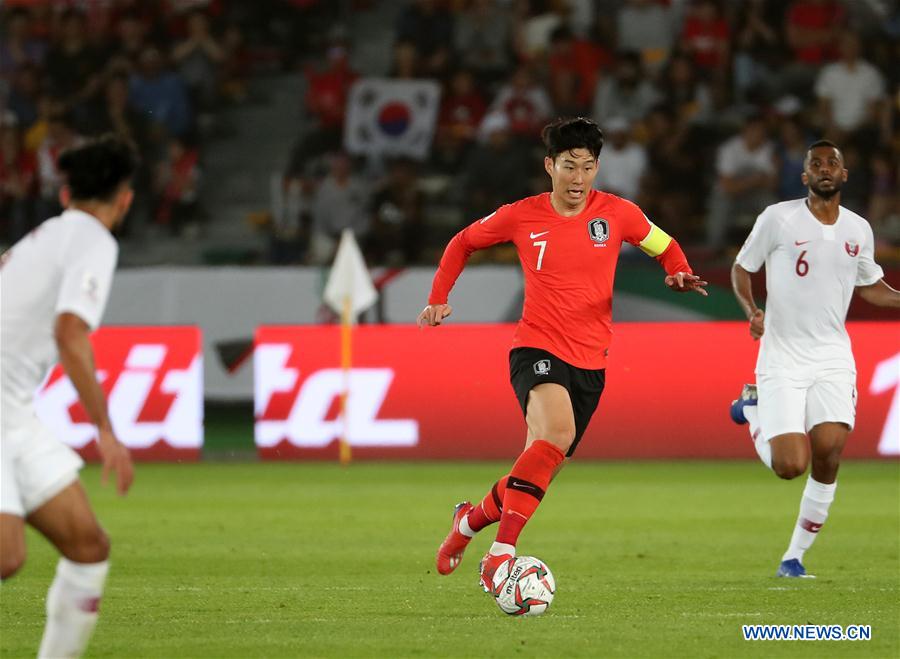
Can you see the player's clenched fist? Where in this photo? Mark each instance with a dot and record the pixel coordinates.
(756, 324)
(433, 314)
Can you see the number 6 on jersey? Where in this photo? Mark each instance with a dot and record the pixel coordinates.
(543, 245)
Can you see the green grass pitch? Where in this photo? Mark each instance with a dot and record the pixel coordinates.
(315, 560)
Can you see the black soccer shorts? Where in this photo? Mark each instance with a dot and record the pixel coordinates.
(529, 367)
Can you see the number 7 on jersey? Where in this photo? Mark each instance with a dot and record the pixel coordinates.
(543, 245)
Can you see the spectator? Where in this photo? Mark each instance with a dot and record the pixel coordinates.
(812, 29)
(757, 51)
(645, 27)
(525, 103)
(790, 152)
(177, 186)
(36, 133)
(73, 65)
(497, 170)
(328, 88)
(160, 94)
(851, 92)
(342, 201)
(705, 37)
(24, 95)
(114, 114)
(462, 109)
(429, 28)
(292, 197)
(198, 58)
(236, 67)
(627, 93)
(685, 92)
(884, 200)
(406, 61)
(130, 38)
(483, 40)
(671, 187)
(574, 65)
(746, 182)
(856, 190)
(61, 135)
(536, 29)
(396, 235)
(18, 173)
(623, 163)
(18, 48)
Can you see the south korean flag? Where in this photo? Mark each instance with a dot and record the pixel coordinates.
(391, 117)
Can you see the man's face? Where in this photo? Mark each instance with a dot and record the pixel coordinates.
(824, 172)
(572, 173)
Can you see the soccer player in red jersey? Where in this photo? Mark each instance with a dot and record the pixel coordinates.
(568, 242)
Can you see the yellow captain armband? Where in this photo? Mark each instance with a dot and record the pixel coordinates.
(656, 242)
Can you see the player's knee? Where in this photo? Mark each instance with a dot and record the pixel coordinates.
(11, 561)
(789, 468)
(560, 436)
(91, 546)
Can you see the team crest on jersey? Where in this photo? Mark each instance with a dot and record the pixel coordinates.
(598, 228)
(542, 367)
(852, 248)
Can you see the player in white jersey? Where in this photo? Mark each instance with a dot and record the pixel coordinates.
(816, 253)
(53, 287)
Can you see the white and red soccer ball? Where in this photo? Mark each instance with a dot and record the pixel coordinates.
(523, 586)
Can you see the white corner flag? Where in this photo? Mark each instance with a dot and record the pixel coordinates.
(349, 280)
(349, 292)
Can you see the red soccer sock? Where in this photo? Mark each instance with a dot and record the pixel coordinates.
(488, 511)
(525, 488)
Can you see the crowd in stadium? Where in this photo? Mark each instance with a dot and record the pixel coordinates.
(707, 107)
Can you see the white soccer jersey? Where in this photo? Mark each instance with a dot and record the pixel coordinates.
(65, 265)
(811, 272)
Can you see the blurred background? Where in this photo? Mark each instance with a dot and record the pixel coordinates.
(267, 127)
(240, 108)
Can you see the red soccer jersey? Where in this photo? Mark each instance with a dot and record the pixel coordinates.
(569, 265)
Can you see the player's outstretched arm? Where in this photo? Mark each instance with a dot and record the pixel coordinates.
(668, 253)
(880, 294)
(72, 336)
(743, 291)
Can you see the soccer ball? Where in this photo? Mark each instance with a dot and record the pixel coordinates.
(523, 586)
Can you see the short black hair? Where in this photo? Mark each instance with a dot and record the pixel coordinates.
(818, 143)
(97, 168)
(566, 134)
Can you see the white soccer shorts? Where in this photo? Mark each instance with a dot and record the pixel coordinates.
(35, 466)
(792, 405)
